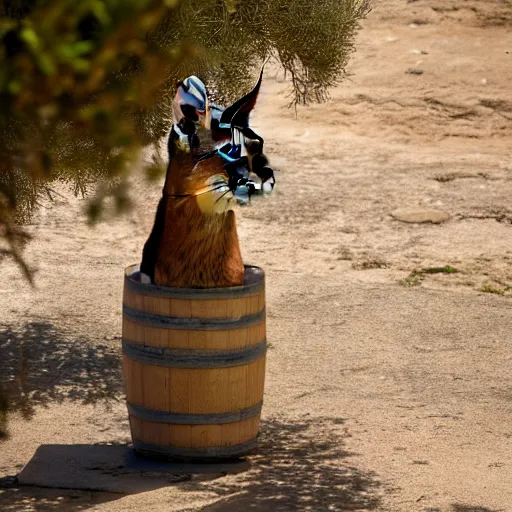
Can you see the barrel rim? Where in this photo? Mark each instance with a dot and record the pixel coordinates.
(253, 283)
(180, 418)
(192, 324)
(187, 358)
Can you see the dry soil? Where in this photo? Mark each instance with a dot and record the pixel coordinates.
(389, 372)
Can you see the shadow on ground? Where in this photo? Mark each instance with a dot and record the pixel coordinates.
(14, 499)
(80, 476)
(41, 365)
(465, 508)
(300, 466)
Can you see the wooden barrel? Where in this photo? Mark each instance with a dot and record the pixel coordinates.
(194, 366)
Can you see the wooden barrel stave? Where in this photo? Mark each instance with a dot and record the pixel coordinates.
(222, 390)
(227, 329)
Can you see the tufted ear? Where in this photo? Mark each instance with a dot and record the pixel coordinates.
(238, 113)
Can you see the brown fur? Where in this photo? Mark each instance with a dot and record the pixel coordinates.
(196, 250)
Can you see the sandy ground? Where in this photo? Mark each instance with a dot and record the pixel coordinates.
(388, 386)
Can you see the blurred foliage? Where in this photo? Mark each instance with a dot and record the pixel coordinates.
(84, 85)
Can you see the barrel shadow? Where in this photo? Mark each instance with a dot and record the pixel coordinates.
(40, 365)
(300, 465)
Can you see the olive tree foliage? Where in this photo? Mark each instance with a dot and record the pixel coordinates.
(85, 84)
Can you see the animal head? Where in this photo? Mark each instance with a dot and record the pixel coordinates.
(243, 163)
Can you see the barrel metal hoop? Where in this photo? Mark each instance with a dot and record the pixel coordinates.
(179, 358)
(192, 324)
(175, 418)
(200, 453)
(133, 283)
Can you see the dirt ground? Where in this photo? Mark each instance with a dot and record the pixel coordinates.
(388, 384)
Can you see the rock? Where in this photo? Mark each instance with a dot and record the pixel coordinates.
(414, 71)
(420, 215)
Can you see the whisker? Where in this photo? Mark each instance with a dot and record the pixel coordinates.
(218, 185)
(207, 190)
(219, 182)
(212, 189)
(219, 198)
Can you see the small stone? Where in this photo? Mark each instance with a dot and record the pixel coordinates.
(414, 71)
(420, 215)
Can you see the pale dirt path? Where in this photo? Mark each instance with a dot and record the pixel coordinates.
(378, 394)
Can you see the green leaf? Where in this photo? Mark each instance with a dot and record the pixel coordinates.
(82, 47)
(46, 64)
(31, 38)
(14, 87)
(99, 9)
(81, 65)
(70, 51)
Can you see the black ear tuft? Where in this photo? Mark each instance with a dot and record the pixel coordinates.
(240, 110)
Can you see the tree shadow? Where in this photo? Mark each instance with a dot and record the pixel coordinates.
(464, 508)
(300, 466)
(41, 365)
(469, 508)
(14, 499)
